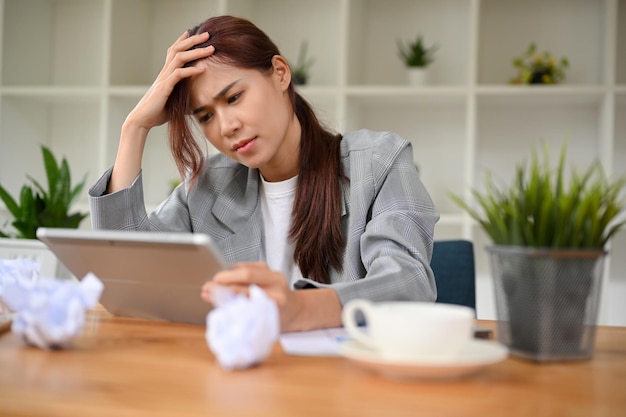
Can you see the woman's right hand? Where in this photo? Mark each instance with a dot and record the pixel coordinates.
(150, 111)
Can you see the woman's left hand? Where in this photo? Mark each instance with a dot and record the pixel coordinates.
(241, 276)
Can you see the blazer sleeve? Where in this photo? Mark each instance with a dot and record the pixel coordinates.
(125, 209)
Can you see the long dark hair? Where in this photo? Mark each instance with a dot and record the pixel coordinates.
(316, 217)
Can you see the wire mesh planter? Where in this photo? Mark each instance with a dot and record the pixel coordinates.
(547, 300)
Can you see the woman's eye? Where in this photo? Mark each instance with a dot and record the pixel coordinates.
(205, 117)
(234, 98)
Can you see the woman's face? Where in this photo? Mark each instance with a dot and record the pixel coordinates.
(247, 116)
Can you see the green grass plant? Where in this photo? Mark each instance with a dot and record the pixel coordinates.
(416, 53)
(541, 209)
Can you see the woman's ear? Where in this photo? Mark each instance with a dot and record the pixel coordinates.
(281, 71)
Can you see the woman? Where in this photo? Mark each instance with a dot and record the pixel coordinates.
(291, 205)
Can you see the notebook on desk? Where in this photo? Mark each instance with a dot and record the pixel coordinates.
(145, 274)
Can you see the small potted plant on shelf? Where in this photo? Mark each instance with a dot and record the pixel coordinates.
(536, 68)
(300, 71)
(416, 57)
(37, 207)
(549, 238)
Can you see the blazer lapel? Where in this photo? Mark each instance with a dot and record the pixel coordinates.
(238, 209)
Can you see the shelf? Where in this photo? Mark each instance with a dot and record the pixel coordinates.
(44, 42)
(317, 23)
(507, 27)
(70, 127)
(433, 130)
(451, 219)
(617, 263)
(507, 134)
(130, 91)
(562, 95)
(481, 257)
(377, 26)
(53, 94)
(72, 70)
(620, 47)
(390, 95)
(619, 145)
(141, 32)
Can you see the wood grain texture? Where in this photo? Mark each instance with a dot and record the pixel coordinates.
(125, 367)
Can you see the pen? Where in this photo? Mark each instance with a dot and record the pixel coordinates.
(482, 333)
(341, 339)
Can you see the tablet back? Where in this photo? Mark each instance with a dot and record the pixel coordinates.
(148, 275)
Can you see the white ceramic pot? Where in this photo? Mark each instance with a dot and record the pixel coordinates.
(417, 76)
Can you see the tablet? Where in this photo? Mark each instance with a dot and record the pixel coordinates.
(150, 275)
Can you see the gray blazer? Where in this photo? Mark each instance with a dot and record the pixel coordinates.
(388, 217)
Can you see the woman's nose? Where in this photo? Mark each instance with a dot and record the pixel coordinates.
(229, 123)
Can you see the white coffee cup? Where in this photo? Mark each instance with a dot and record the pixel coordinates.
(405, 330)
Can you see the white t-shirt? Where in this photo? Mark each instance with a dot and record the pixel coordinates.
(276, 206)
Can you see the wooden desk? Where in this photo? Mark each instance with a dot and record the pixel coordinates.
(139, 368)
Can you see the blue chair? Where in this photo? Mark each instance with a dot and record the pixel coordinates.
(453, 265)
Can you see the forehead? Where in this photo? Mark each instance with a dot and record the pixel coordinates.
(216, 77)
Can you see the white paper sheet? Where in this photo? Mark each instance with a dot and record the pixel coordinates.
(324, 342)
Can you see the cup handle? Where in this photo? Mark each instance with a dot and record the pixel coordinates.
(348, 316)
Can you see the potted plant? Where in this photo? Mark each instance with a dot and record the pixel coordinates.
(534, 68)
(549, 238)
(37, 207)
(416, 57)
(300, 71)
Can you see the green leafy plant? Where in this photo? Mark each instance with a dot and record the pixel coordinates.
(535, 68)
(174, 182)
(415, 53)
(540, 210)
(300, 71)
(39, 207)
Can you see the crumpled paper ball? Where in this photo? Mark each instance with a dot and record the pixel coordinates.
(24, 270)
(241, 331)
(50, 312)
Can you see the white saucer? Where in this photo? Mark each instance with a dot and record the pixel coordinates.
(476, 356)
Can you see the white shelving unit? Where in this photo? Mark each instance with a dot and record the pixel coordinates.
(71, 70)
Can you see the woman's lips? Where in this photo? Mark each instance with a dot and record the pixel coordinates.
(243, 145)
